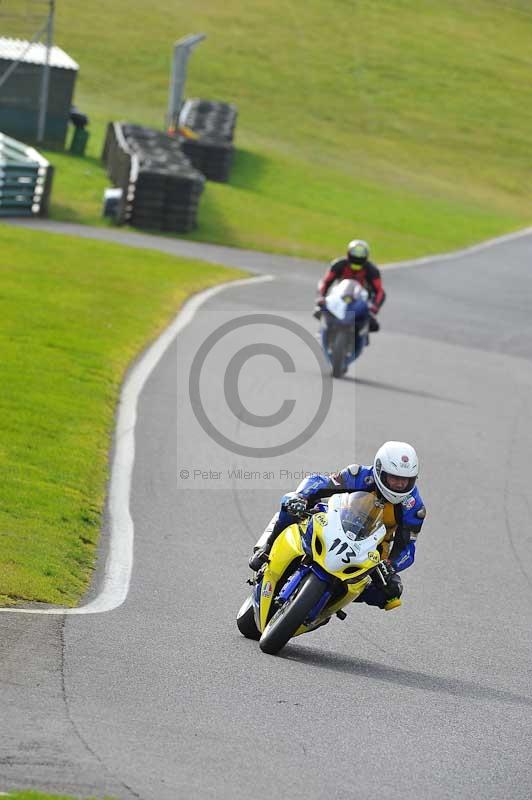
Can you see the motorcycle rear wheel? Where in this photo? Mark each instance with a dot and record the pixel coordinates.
(291, 615)
(339, 350)
(245, 620)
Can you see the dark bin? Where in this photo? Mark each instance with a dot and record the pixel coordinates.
(79, 141)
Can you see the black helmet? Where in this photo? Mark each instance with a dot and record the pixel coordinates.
(357, 252)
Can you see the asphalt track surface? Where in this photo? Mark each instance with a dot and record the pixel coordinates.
(163, 699)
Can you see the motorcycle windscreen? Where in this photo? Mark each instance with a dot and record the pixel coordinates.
(347, 300)
(360, 514)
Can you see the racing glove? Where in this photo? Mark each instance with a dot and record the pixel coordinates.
(392, 584)
(386, 569)
(320, 302)
(296, 504)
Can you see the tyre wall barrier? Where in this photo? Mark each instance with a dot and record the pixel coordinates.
(207, 131)
(25, 180)
(160, 187)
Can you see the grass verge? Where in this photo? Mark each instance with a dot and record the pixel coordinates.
(38, 796)
(75, 313)
(403, 123)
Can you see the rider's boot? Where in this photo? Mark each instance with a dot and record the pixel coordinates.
(374, 324)
(262, 549)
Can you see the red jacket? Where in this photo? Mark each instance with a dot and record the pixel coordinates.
(369, 277)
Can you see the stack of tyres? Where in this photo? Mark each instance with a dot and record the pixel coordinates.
(210, 147)
(210, 118)
(17, 190)
(116, 155)
(182, 199)
(213, 159)
(25, 180)
(163, 189)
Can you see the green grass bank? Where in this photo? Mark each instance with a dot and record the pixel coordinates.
(408, 124)
(74, 315)
(38, 796)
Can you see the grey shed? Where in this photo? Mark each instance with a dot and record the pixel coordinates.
(19, 95)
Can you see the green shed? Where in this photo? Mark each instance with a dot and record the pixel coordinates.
(20, 94)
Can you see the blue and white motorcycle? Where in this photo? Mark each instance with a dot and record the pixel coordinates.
(344, 325)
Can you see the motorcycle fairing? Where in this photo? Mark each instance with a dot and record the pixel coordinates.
(346, 301)
(286, 548)
(334, 553)
(346, 306)
(339, 552)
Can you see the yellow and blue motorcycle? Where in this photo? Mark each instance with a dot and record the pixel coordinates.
(316, 567)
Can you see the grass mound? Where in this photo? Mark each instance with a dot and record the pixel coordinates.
(75, 313)
(31, 795)
(403, 123)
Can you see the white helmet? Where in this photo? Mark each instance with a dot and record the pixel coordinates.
(395, 458)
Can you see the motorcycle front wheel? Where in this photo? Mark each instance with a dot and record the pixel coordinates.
(291, 615)
(339, 350)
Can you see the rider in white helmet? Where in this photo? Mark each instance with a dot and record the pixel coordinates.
(392, 478)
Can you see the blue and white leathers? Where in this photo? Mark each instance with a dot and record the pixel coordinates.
(403, 520)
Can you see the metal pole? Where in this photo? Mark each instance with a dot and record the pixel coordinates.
(178, 64)
(182, 51)
(43, 101)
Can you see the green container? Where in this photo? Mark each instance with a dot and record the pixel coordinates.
(79, 141)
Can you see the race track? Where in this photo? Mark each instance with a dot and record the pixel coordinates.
(163, 698)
